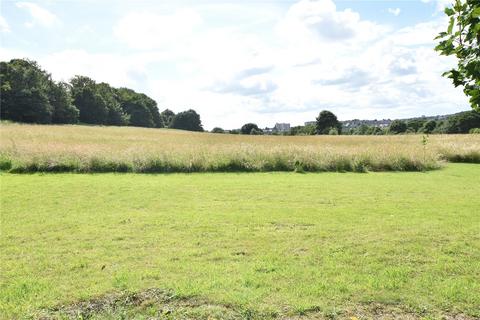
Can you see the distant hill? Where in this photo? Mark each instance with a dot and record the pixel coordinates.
(386, 122)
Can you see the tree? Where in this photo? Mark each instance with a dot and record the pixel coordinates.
(429, 126)
(86, 97)
(142, 110)
(187, 120)
(326, 121)
(116, 115)
(463, 122)
(167, 116)
(415, 124)
(63, 109)
(303, 130)
(462, 39)
(217, 130)
(24, 91)
(397, 126)
(248, 127)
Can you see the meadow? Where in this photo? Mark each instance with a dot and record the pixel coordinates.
(273, 245)
(72, 148)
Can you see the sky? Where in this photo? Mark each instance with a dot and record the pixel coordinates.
(234, 62)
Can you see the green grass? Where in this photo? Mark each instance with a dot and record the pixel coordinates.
(263, 243)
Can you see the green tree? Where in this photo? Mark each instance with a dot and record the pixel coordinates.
(142, 110)
(218, 130)
(463, 122)
(116, 115)
(429, 126)
(415, 125)
(397, 126)
(326, 121)
(86, 97)
(307, 130)
(187, 120)
(462, 39)
(24, 92)
(63, 109)
(167, 116)
(248, 127)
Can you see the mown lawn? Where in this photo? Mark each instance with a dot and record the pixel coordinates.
(272, 243)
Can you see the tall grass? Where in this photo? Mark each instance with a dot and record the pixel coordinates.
(70, 148)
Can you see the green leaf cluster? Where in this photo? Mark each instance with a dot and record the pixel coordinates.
(462, 40)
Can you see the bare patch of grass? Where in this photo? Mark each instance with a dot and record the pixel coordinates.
(163, 304)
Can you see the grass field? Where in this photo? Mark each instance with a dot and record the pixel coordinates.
(240, 245)
(35, 148)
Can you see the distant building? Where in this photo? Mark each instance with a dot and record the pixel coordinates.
(282, 127)
(350, 124)
(311, 123)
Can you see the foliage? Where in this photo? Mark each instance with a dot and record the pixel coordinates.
(333, 132)
(218, 130)
(187, 120)
(429, 126)
(142, 110)
(249, 127)
(308, 130)
(92, 106)
(475, 130)
(463, 122)
(365, 129)
(25, 92)
(415, 125)
(397, 126)
(326, 121)
(28, 94)
(63, 109)
(167, 116)
(462, 39)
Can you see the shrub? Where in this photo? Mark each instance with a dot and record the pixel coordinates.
(475, 130)
(217, 130)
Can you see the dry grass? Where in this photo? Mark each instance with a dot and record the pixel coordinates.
(31, 148)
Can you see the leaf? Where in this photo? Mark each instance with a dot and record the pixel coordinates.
(476, 12)
(450, 25)
(449, 12)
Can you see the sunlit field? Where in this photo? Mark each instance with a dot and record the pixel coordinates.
(31, 148)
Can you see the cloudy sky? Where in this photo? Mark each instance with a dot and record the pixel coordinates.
(262, 61)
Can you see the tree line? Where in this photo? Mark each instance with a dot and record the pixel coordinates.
(28, 94)
(327, 123)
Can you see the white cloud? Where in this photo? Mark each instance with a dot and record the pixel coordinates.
(312, 57)
(395, 12)
(440, 4)
(118, 70)
(40, 16)
(4, 27)
(319, 58)
(321, 18)
(147, 30)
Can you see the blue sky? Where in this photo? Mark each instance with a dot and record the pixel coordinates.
(243, 61)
